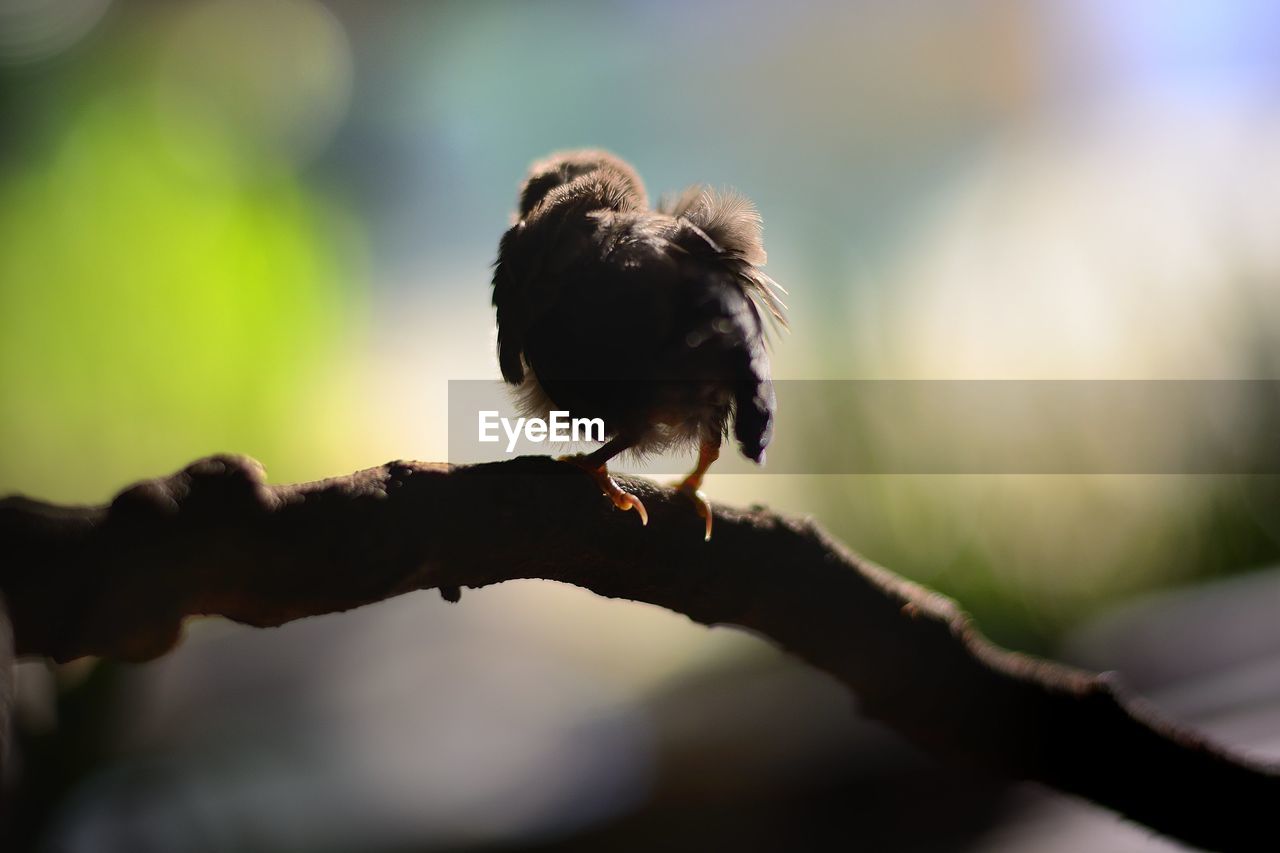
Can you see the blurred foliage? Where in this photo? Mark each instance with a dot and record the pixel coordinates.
(162, 295)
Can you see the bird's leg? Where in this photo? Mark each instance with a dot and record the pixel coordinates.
(691, 486)
(596, 464)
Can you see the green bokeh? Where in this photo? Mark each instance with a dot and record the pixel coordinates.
(160, 298)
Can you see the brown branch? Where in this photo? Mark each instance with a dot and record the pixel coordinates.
(215, 539)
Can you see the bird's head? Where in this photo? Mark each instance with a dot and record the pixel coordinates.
(566, 167)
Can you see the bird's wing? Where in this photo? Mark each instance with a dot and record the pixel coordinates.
(533, 258)
(731, 225)
(509, 301)
(728, 334)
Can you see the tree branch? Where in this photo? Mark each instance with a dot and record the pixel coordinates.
(118, 580)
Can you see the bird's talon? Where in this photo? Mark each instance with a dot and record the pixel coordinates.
(621, 498)
(626, 501)
(700, 503)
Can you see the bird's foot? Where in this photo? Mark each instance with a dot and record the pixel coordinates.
(621, 498)
(689, 488)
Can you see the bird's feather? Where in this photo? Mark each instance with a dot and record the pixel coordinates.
(734, 227)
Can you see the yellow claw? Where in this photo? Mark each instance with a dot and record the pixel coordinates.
(690, 486)
(626, 500)
(700, 503)
(620, 497)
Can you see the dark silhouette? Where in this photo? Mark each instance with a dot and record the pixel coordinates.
(648, 319)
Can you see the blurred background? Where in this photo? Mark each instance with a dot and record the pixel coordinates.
(264, 227)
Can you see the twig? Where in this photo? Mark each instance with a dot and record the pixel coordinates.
(118, 581)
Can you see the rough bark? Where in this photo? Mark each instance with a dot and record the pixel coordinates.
(118, 580)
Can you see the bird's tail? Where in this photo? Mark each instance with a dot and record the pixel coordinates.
(754, 404)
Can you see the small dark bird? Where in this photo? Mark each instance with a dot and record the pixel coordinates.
(651, 320)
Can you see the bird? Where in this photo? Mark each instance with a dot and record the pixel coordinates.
(651, 319)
